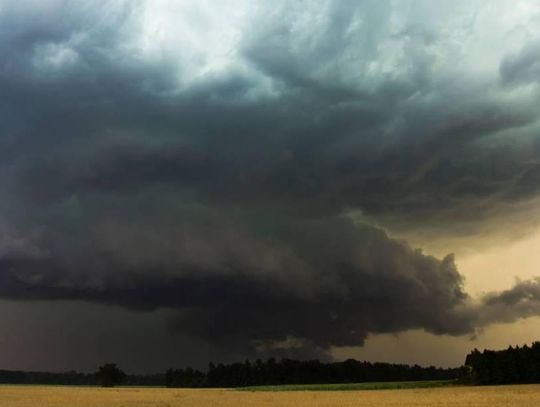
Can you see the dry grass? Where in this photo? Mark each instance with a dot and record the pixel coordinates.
(37, 396)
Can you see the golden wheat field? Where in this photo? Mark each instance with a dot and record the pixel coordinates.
(43, 396)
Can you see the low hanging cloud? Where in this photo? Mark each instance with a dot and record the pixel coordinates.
(302, 287)
(520, 301)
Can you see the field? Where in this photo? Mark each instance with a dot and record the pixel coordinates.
(42, 396)
(353, 386)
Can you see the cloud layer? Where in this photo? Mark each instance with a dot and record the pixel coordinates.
(302, 287)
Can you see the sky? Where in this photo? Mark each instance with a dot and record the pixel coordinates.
(192, 181)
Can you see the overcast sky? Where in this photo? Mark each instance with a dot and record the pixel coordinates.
(186, 181)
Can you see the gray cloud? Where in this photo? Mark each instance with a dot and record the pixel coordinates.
(520, 301)
(522, 67)
(328, 282)
(295, 288)
(402, 144)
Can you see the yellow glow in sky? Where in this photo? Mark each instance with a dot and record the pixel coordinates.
(498, 267)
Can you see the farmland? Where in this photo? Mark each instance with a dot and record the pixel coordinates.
(353, 386)
(49, 396)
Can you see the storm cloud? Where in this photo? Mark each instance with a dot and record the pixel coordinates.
(299, 286)
(250, 165)
(329, 282)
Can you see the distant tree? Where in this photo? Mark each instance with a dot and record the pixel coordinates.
(109, 375)
(289, 371)
(512, 365)
(170, 378)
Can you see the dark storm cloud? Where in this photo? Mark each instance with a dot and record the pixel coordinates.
(406, 142)
(328, 282)
(520, 301)
(304, 287)
(209, 173)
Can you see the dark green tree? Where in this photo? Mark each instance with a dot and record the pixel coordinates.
(109, 375)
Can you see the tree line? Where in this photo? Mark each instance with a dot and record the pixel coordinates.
(513, 365)
(288, 371)
(269, 372)
(107, 375)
